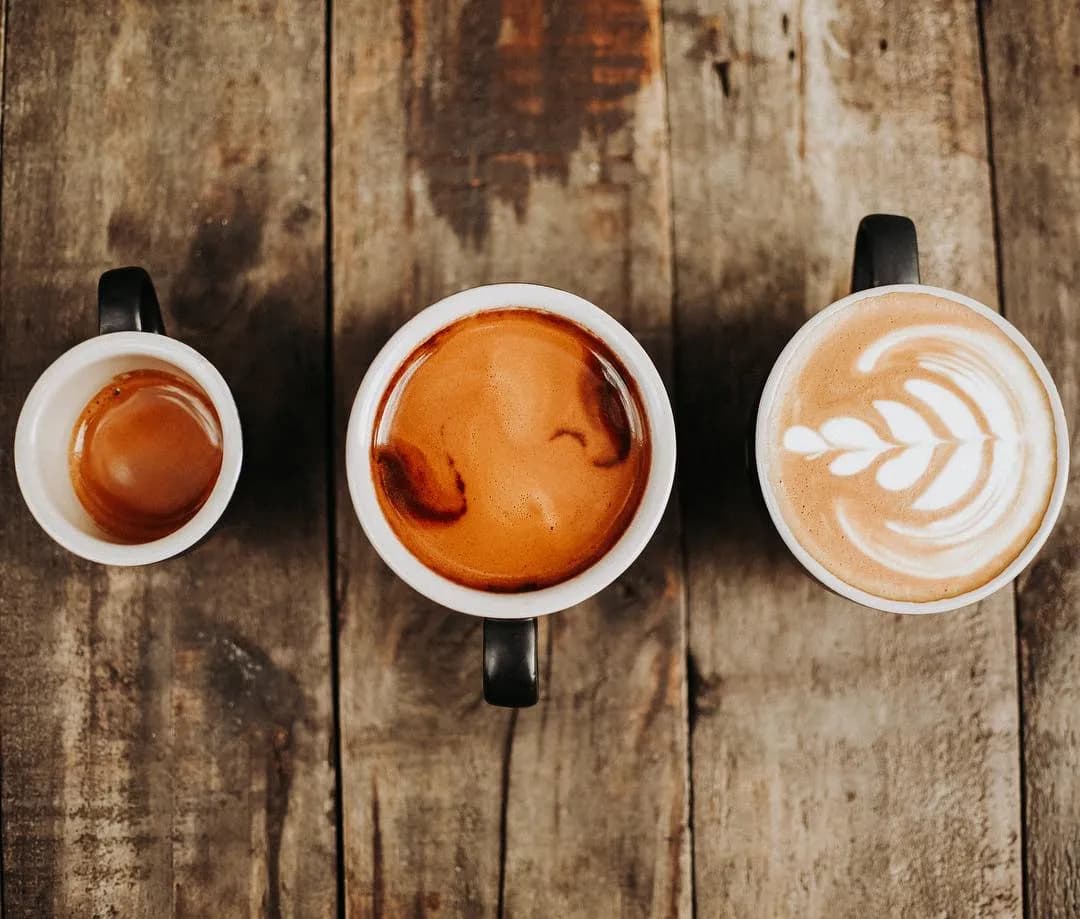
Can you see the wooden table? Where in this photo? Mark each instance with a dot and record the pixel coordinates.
(274, 725)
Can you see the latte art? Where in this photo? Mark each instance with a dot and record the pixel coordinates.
(914, 448)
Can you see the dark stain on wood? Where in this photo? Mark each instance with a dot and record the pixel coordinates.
(695, 689)
(722, 69)
(128, 235)
(706, 43)
(253, 696)
(226, 243)
(801, 44)
(677, 830)
(521, 89)
(639, 587)
(377, 883)
(279, 775)
(504, 807)
(298, 218)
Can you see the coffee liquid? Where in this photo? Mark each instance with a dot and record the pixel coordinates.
(912, 447)
(145, 454)
(510, 451)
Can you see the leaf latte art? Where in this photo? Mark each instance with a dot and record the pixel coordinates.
(913, 447)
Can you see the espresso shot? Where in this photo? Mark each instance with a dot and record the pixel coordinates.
(510, 450)
(145, 454)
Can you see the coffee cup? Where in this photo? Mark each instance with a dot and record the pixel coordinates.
(910, 444)
(509, 652)
(131, 340)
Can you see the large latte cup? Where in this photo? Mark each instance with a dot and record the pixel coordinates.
(910, 444)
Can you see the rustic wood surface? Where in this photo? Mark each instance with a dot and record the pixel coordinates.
(1033, 63)
(167, 732)
(845, 763)
(274, 724)
(474, 145)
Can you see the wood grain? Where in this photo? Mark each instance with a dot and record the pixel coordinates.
(5, 459)
(1033, 67)
(167, 731)
(845, 762)
(475, 142)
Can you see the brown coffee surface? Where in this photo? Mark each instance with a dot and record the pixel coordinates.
(145, 454)
(510, 450)
(912, 447)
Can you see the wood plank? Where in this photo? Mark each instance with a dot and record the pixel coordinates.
(845, 762)
(1033, 69)
(167, 732)
(478, 141)
(3, 46)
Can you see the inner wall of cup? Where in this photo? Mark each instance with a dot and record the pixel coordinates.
(54, 424)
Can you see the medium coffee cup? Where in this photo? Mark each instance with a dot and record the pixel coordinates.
(130, 351)
(910, 444)
(510, 605)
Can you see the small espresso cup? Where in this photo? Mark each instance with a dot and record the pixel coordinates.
(886, 261)
(510, 655)
(131, 337)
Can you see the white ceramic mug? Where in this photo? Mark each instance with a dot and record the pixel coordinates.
(132, 338)
(886, 260)
(510, 670)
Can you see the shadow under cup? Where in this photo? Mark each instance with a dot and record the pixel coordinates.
(510, 657)
(43, 442)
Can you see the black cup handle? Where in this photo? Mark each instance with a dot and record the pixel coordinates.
(510, 664)
(886, 252)
(127, 302)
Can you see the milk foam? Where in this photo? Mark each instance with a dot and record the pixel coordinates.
(920, 456)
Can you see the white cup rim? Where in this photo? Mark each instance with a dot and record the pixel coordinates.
(822, 574)
(637, 534)
(29, 475)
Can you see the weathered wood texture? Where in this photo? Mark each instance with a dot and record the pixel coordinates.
(1033, 68)
(5, 457)
(845, 763)
(167, 731)
(480, 141)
